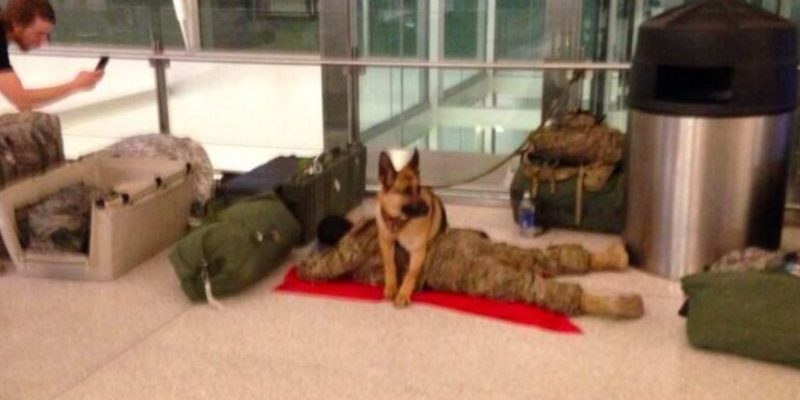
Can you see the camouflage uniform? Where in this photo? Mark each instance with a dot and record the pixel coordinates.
(175, 148)
(463, 261)
(59, 222)
(756, 259)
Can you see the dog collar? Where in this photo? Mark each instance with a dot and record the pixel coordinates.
(393, 223)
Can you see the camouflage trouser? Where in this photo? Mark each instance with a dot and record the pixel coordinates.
(464, 261)
(468, 262)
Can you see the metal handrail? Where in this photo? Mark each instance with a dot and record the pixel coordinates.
(315, 60)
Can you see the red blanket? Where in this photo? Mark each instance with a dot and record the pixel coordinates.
(516, 312)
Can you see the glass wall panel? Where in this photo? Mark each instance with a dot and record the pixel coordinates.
(520, 30)
(386, 93)
(463, 36)
(391, 29)
(290, 26)
(464, 33)
(375, 97)
(247, 114)
(114, 22)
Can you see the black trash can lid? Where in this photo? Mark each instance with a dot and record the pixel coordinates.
(715, 58)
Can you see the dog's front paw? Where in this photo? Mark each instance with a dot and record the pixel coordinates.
(402, 300)
(389, 291)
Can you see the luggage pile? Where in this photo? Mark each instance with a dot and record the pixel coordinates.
(331, 183)
(257, 217)
(112, 209)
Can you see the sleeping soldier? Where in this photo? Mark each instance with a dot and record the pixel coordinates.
(467, 261)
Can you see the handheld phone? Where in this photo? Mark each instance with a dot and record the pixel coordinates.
(102, 63)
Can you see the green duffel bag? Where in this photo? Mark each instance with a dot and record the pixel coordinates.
(753, 314)
(603, 210)
(236, 247)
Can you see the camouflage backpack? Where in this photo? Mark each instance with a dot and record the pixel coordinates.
(578, 159)
(30, 143)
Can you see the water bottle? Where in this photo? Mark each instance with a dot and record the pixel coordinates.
(527, 217)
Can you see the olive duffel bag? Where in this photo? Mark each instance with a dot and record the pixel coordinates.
(235, 247)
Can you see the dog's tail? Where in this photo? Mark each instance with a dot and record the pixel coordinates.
(332, 228)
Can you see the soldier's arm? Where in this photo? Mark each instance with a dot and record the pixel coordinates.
(27, 99)
(354, 251)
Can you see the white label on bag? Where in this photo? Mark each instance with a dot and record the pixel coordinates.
(793, 268)
(337, 186)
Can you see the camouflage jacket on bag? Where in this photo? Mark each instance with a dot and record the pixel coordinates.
(174, 148)
(557, 151)
(578, 139)
(463, 261)
(756, 259)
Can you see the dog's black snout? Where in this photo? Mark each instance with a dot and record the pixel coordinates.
(416, 209)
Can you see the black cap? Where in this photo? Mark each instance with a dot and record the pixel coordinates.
(715, 58)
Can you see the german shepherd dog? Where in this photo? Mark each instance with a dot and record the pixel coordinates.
(409, 216)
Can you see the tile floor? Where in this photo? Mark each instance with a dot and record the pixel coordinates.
(139, 338)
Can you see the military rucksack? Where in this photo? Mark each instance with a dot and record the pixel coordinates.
(572, 171)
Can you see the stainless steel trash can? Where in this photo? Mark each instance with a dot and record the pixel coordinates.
(713, 89)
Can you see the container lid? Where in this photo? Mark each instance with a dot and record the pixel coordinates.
(715, 58)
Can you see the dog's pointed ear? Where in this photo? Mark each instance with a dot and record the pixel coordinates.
(414, 162)
(386, 171)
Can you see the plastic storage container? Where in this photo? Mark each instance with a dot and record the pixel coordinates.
(151, 212)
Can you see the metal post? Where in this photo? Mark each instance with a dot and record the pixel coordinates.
(339, 83)
(353, 73)
(160, 67)
(365, 28)
(435, 51)
(562, 38)
(600, 82)
(785, 8)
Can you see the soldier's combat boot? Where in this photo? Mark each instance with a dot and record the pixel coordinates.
(628, 306)
(615, 258)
